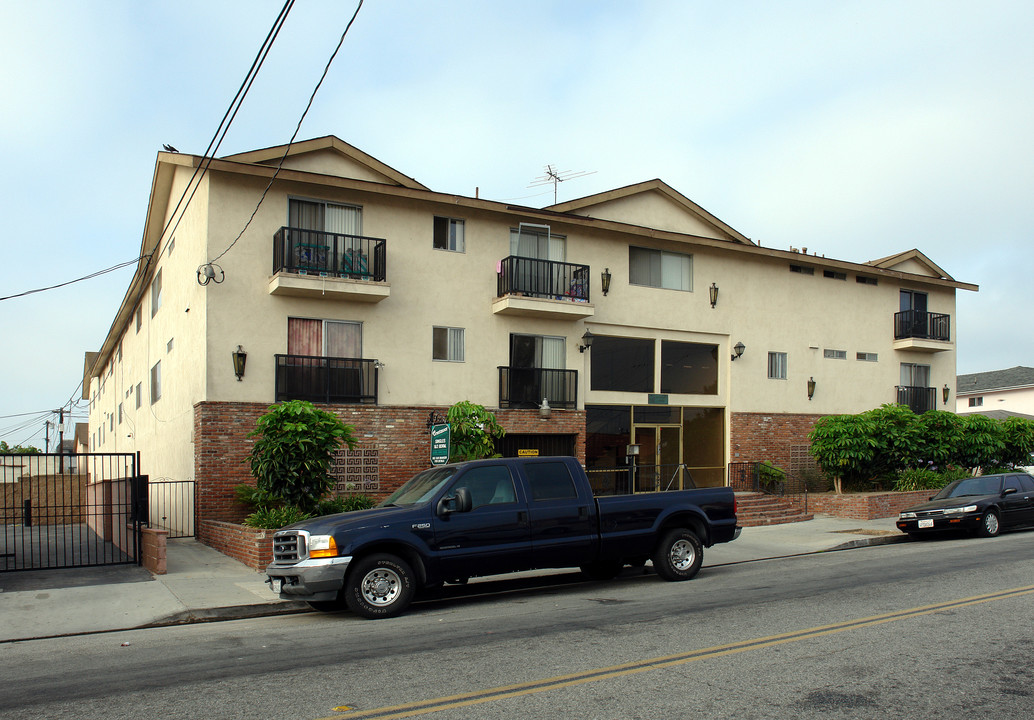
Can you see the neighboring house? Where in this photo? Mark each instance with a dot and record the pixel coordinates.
(641, 317)
(1010, 391)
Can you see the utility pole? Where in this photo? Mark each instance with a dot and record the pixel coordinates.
(61, 439)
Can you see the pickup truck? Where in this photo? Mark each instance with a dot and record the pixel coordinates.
(486, 517)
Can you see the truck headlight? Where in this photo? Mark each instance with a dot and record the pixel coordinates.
(959, 511)
(322, 546)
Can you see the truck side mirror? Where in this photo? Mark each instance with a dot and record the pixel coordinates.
(460, 501)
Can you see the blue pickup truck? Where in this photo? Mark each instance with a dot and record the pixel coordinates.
(488, 517)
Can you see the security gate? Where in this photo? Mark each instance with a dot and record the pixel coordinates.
(71, 510)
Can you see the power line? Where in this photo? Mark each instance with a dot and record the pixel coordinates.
(297, 128)
(70, 282)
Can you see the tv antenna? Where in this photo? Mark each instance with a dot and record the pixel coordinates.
(556, 177)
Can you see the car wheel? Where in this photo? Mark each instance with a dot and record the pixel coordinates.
(379, 586)
(678, 556)
(990, 524)
(602, 570)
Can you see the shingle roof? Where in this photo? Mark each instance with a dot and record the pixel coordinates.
(1018, 376)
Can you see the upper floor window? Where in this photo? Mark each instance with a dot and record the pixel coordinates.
(777, 366)
(156, 292)
(324, 338)
(976, 401)
(138, 319)
(867, 356)
(538, 242)
(156, 382)
(834, 275)
(834, 354)
(447, 344)
(448, 234)
(623, 364)
(688, 368)
(325, 217)
(660, 269)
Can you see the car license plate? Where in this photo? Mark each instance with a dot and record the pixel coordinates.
(926, 523)
(278, 584)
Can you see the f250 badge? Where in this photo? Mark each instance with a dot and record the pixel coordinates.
(421, 526)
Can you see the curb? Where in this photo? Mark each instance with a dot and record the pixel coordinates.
(229, 612)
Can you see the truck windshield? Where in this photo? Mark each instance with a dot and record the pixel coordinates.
(420, 488)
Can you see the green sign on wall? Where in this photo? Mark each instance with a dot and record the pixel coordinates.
(440, 444)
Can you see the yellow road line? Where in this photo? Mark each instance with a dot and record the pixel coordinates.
(423, 707)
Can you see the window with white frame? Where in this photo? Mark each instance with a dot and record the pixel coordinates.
(156, 292)
(777, 366)
(867, 357)
(976, 401)
(660, 269)
(156, 382)
(447, 344)
(448, 234)
(834, 354)
(139, 394)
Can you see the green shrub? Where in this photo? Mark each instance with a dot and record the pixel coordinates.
(919, 479)
(346, 503)
(771, 478)
(275, 518)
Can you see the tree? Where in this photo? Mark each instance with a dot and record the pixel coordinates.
(1018, 436)
(982, 443)
(6, 449)
(473, 431)
(291, 458)
(843, 446)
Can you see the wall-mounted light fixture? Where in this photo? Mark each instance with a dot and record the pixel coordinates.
(811, 387)
(605, 277)
(545, 410)
(587, 339)
(737, 350)
(945, 392)
(714, 294)
(239, 359)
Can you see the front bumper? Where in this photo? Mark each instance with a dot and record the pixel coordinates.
(969, 521)
(312, 580)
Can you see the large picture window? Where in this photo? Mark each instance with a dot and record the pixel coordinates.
(660, 269)
(623, 364)
(324, 338)
(690, 368)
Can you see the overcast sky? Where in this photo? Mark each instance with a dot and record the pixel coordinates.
(855, 129)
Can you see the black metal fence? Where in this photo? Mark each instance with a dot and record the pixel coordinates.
(311, 252)
(543, 278)
(71, 510)
(326, 379)
(171, 506)
(628, 479)
(526, 387)
(918, 399)
(920, 324)
(768, 479)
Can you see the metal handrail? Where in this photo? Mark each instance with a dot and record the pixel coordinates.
(542, 278)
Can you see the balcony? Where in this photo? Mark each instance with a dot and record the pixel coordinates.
(918, 399)
(922, 331)
(309, 263)
(525, 388)
(326, 379)
(543, 289)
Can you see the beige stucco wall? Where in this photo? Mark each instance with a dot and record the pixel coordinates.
(1018, 400)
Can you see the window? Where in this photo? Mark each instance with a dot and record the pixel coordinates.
(324, 338)
(490, 485)
(660, 269)
(111, 422)
(976, 402)
(802, 269)
(156, 293)
(777, 366)
(139, 394)
(120, 413)
(866, 356)
(448, 234)
(913, 375)
(325, 217)
(834, 275)
(447, 344)
(835, 354)
(156, 382)
(171, 247)
(538, 242)
(623, 364)
(690, 368)
(138, 319)
(861, 279)
(327, 236)
(550, 481)
(168, 346)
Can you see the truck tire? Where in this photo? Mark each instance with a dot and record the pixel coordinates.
(678, 556)
(379, 586)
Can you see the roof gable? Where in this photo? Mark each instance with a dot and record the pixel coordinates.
(332, 156)
(1016, 377)
(656, 205)
(911, 261)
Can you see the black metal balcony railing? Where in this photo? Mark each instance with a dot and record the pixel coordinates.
(525, 387)
(543, 278)
(918, 399)
(326, 379)
(919, 324)
(311, 252)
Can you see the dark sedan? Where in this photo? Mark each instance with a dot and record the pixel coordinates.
(983, 505)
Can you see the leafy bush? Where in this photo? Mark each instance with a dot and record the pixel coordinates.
(919, 479)
(473, 431)
(346, 503)
(275, 518)
(771, 478)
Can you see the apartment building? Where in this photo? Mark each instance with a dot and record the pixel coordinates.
(632, 317)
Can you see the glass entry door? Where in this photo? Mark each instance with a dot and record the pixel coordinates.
(660, 458)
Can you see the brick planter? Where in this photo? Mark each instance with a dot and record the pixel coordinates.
(866, 506)
(252, 547)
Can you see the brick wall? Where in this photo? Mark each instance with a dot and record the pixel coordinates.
(153, 544)
(866, 506)
(776, 437)
(252, 547)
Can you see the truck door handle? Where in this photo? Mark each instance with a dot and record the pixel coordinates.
(583, 512)
(522, 516)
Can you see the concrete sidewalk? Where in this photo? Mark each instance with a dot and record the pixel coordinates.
(204, 585)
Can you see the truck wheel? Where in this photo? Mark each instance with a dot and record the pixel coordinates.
(679, 555)
(379, 586)
(602, 570)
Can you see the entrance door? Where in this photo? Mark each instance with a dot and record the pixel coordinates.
(660, 457)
